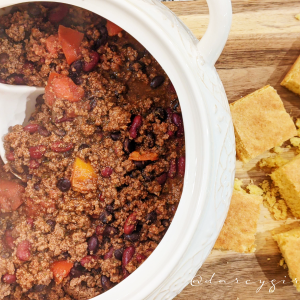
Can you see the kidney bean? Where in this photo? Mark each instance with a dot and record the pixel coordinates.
(115, 136)
(109, 254)
(130, 223)
(181, 165)
(157, 81)
(44, 132)
(162, 178)
(58, 13)
(180, 131)
(106, 283)
(60, 132)
(23, 250)
(9, 278)
(40, 99)
(110, 231)
(77, 270)
(135, 125)
(173, 168)
(94, 59)
(171, 88)
(133, 237)
(151, 217)
(60, 146)
(127, 255)
(37, 152)
(8, 239)
(64, 119)
(49, 4)
(64, 184)
(87, 259)
(177, 119)
(109, 208)
(101, 197)
(119, 253)
(33, 164)
(17, 79)
(29, 221)
(140, 258)
(31, 128)
(93, 243)
(33, 9)
(102, 40)
(125, 273)
(99, 230)
(4, 57)
(52, 224)
(129, 145)
(2, 80)
(106, 172)
(10, 156)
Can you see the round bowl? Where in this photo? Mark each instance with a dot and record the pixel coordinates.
(209, 136)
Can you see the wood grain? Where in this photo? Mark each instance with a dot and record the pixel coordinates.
(263, 44)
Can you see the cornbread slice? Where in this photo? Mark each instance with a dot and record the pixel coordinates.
(260, 123)
(289, 245)
(292, 79)
(238, 232)
(287, 178)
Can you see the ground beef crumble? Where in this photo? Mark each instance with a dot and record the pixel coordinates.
(101, 177)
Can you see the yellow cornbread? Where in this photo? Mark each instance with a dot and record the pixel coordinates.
(289, 245)
(260, 123)
(238, 232)
(292, 79)
(287, 178)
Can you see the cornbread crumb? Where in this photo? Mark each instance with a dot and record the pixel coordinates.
(295, 141)
(292, 79)
(238, 185)
(255, 190)
(297, 17)
(238, 232)
(272, 162)
(287, 178)
(281, 262)
(289, 245)
(260, 123)
(273, 202)
(277, 149)
(268, 258)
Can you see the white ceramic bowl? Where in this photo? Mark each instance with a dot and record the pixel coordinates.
(210, 144)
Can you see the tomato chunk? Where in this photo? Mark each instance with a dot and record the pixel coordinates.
(112, 28)
(70, 40)
(143, 157)
(61, 269)
(62, 87)
(52, 44)
(10, 195)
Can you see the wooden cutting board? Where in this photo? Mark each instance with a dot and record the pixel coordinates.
(263, 44)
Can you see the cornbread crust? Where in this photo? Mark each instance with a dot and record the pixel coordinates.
(292, 79)
(287, 178)
(289, 245)
(238, 232)
(260, 122)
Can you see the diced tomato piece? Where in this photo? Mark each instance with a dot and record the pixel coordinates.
(143, 157)
(61, 269)
(52, 44)
(62, 87)
(112, 28)
(70, 40)
(10, 195)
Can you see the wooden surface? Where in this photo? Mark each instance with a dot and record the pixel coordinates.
(263, 44)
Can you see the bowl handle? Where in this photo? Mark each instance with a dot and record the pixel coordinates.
(212, 43)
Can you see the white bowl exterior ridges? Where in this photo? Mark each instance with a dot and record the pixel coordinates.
(210, 143)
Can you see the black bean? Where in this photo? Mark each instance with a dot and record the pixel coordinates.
(157, 81)
(43, 131)
(17, 79)
(110, 231)
(160, 114)
(93, 104)
(115, 136)
(33, 9)
(38, 288)
(65, 255)
(129, 145)
(2, 32)
(139, 164)
(151, 217)
(137, 65)
(93, 243)
(113, 48)
(106, 283)
(119, 253)
(9, 225)
(106, 239)
(150, 140)
(128, 45)
(102, 40)
(75, 273)
(109, 208)
(165, 223)
(51, 223)
(64, 184)
(60, 132)
(40, 99)
(29, 176)
(133, 237)
(3, 58)
(148, 177)
(76, 67)
(83, 146)
(106, 217)
(36, 187)
(139, 227)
